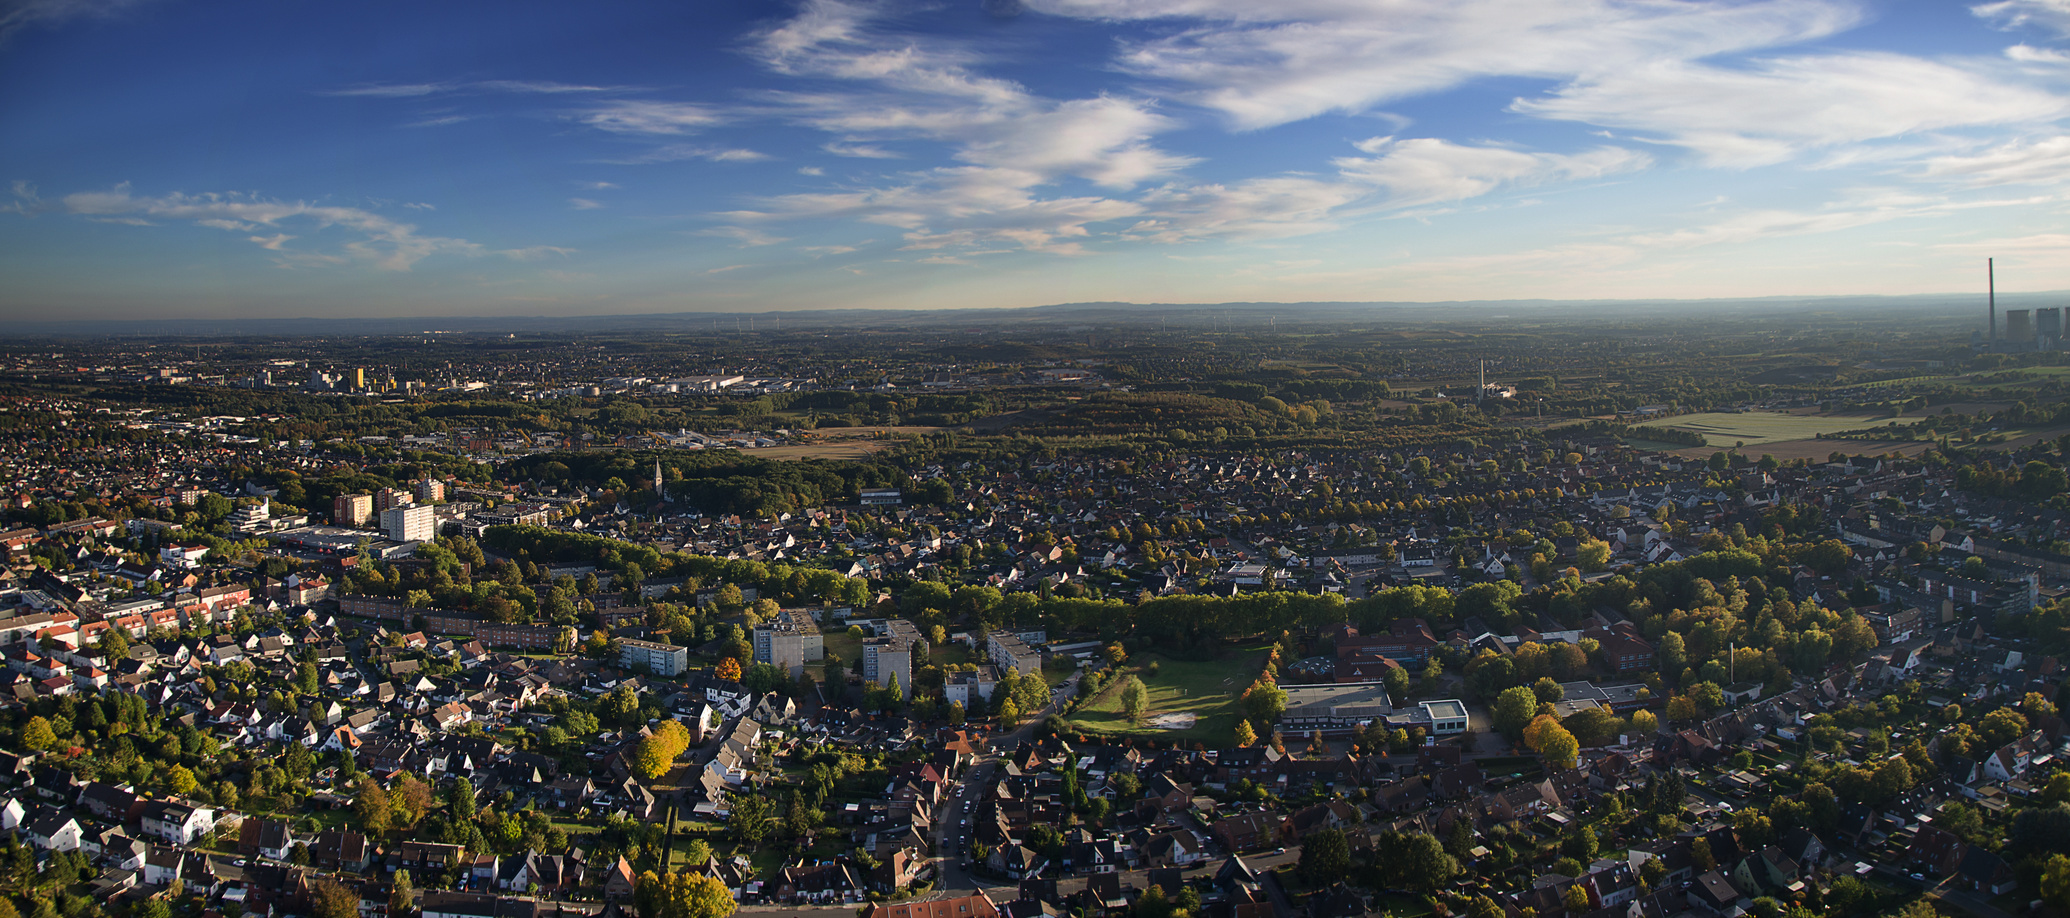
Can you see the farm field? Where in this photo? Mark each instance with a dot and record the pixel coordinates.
(1205, 689)
(1724, 428)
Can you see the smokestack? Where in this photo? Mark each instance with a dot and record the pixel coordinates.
(1991, 275)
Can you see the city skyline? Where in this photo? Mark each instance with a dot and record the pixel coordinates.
(172, 159)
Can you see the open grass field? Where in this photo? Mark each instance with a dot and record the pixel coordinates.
(1205, 689)
(841, 443)
(839, 641)
(1724, 428)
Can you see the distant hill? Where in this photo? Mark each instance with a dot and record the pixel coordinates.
(1067, 316)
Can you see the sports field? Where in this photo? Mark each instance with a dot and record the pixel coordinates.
(1724, 428)
(1206, 690)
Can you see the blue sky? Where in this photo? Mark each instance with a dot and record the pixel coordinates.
(174, 158)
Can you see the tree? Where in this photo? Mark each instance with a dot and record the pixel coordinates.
(1644, 723)
(657, 753)
(1575, 899)
(373, 807)
(180, 779)
(1009, 713)
(1263, 703)
(412, 800)
(37, 734)
(401, 895)
(1592, 556)
(1244, 734)
(1325, 857)
(2055, 881)
(728, 670)
(750, 818)
(114, 644)
(1514, 709)
(1135, 699)
(1559, 748)
(1413, 860)
(329, 899)
(681, 895)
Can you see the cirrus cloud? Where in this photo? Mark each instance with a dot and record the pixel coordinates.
(385, 243)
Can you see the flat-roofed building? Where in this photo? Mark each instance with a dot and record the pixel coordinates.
(352, 509)
(667, 660)
(789, 641)
(1446, 716)
(1008, 651)
(1336, 705)
(892, 651)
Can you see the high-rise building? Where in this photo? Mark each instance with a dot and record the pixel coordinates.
(789, 641)
(892, 652)
(431, 491)
(359, 379)
(409, 524)
(352, 509)
(390, 498)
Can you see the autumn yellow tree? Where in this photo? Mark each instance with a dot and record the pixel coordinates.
(681, 895)
(728, 670)
(657, 753)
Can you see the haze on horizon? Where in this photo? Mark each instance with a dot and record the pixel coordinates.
(170, 158)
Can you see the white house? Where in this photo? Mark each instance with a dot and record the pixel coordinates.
(54, 830)
(178, 823)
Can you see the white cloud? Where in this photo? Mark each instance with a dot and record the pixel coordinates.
(419, 205)
(383, 242)
(26, 201)
(1265, 64)
(818, 250)
(675, 153)
(16, 15)
(860, 151)
(2053, 15)
(584, 204)
(1774, 109)
(1862, 207)
(627, 116)
(597, 186)
(941, 260)
(2044, 243)
(931, 91)
(1428, 170)
(1262, 208)
(2028, 54)
(2044, 161)
(743, 235)
(438, 121)
(725, 269)
(415, 90)
(392, 90)
(811, 170)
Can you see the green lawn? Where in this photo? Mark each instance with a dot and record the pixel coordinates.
(841, 642)
(1208, 690)
(950, 655)
(1724, 428)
